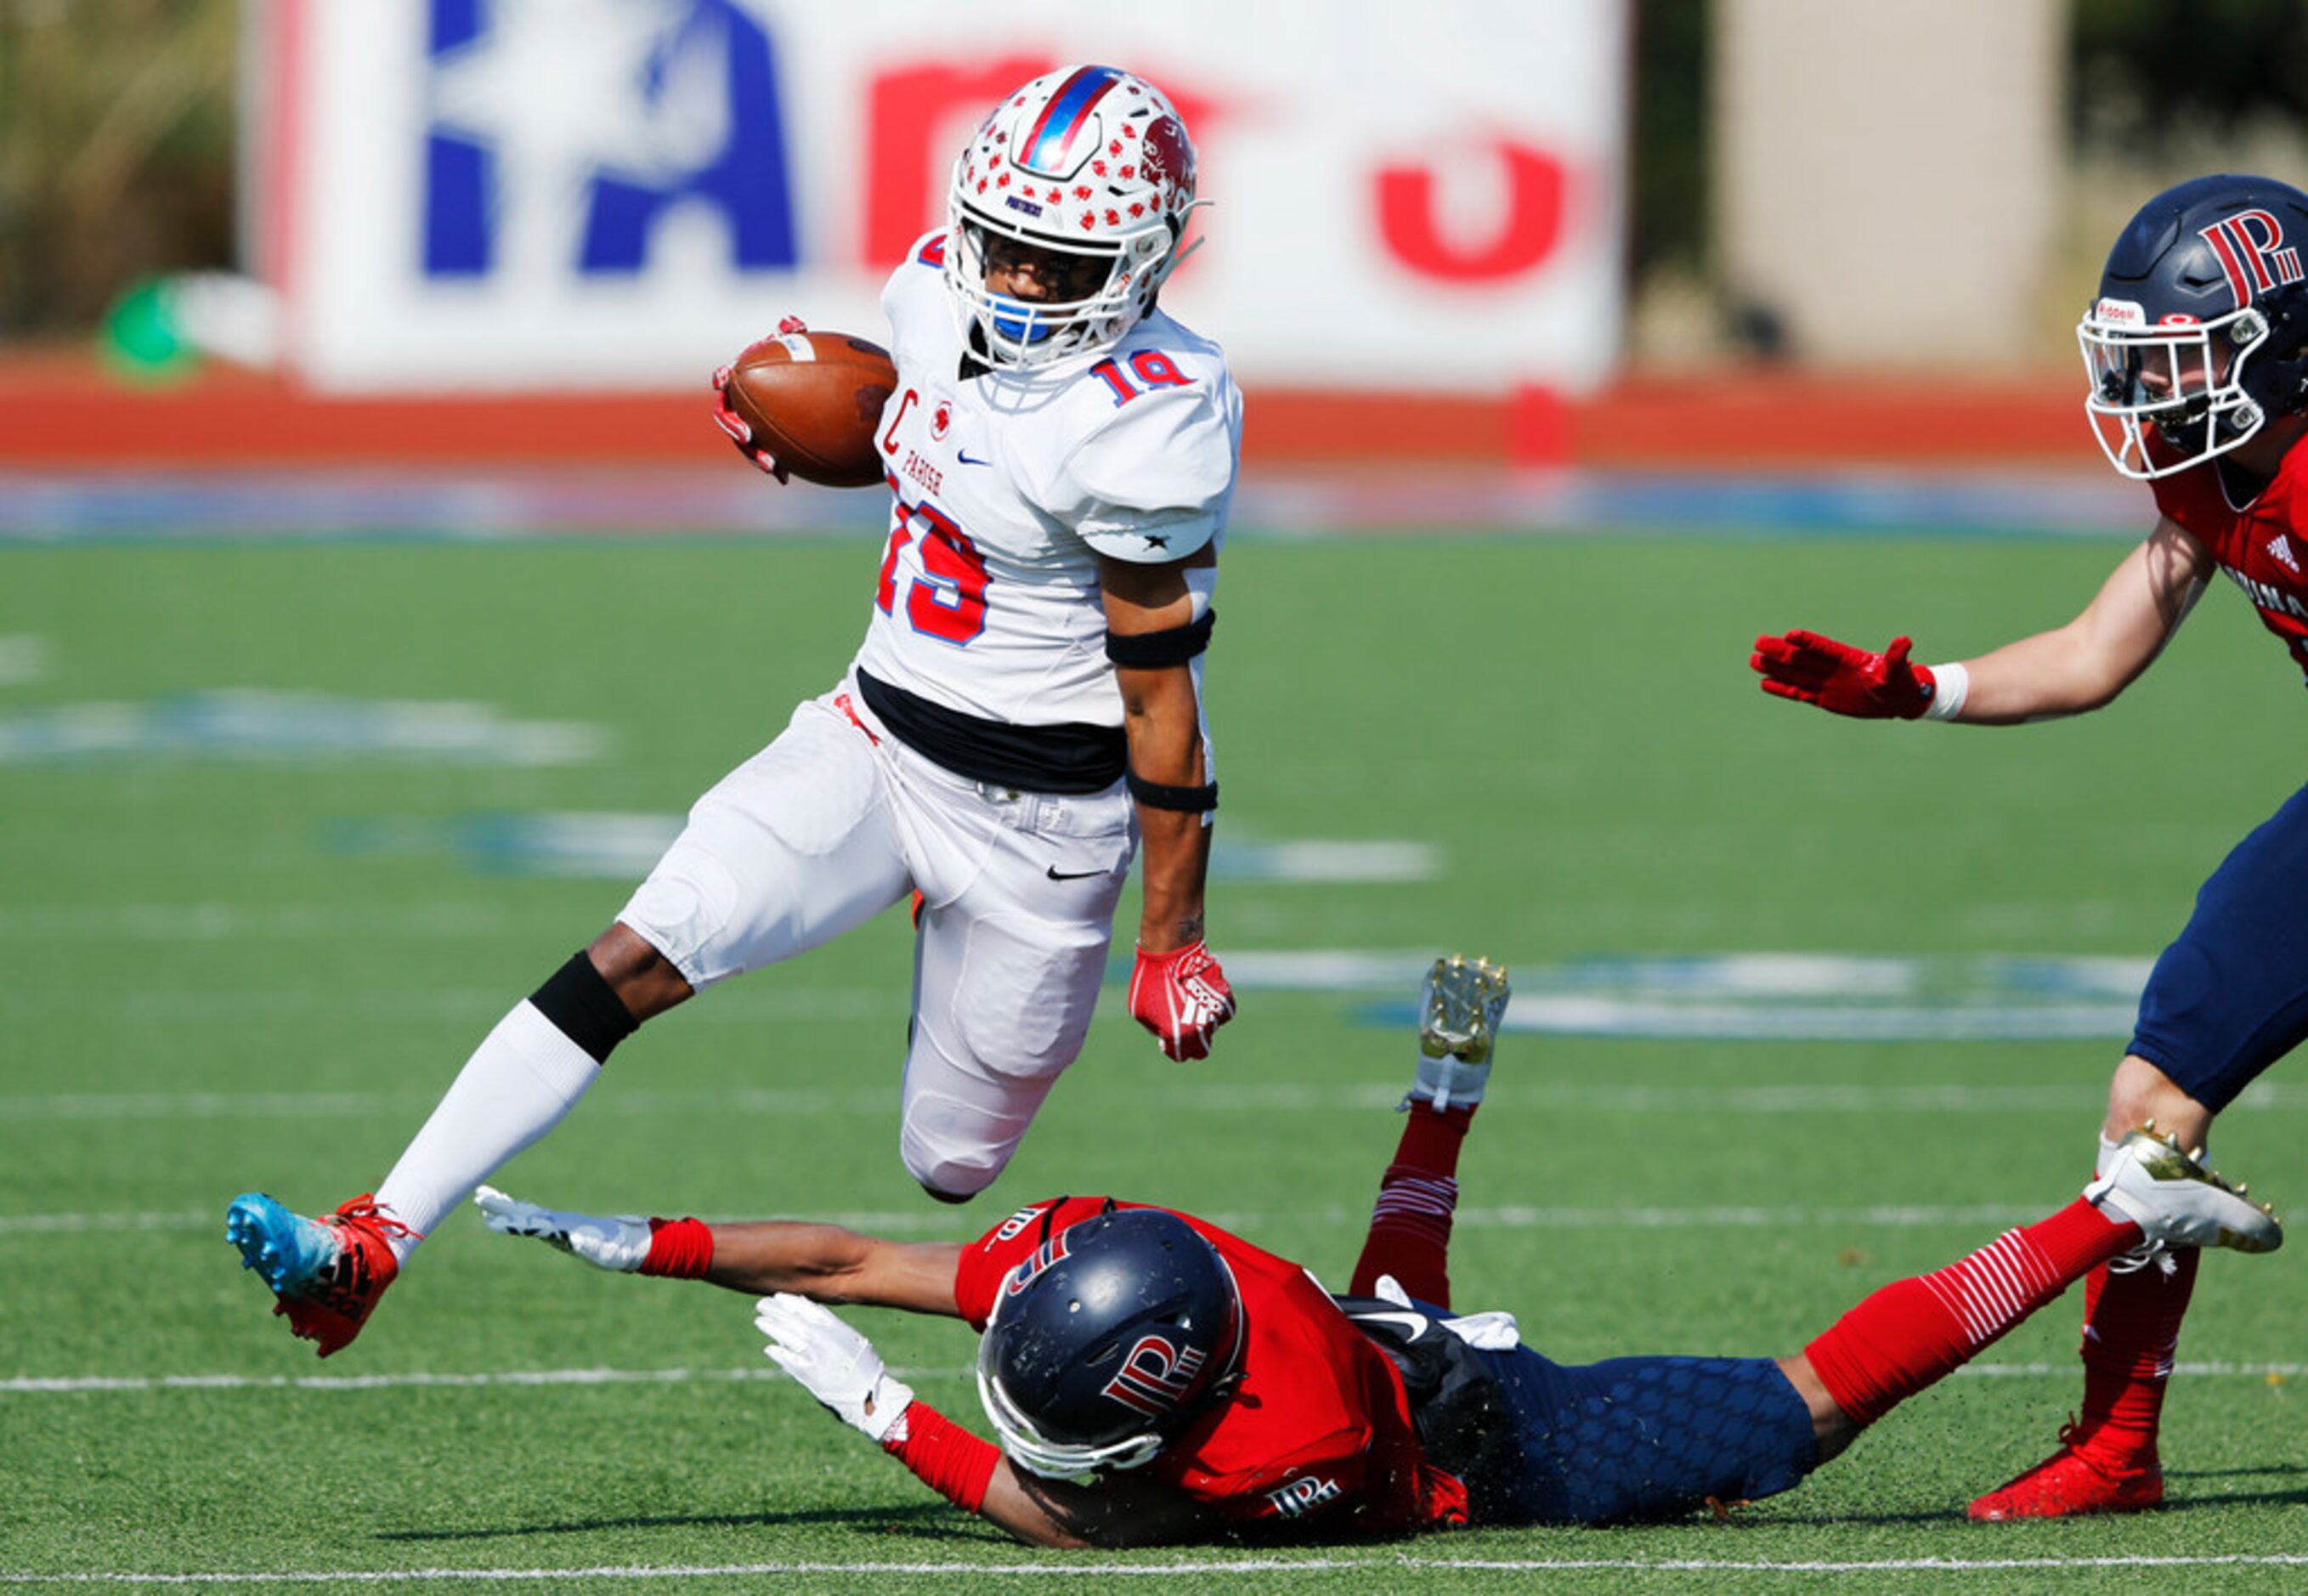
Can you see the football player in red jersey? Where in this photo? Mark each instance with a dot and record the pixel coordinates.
(2197, 353)
(1154, 1378)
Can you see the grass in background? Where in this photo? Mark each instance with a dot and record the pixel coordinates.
(205, 995)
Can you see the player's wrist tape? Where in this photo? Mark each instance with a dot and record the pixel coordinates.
(1173, 645)
(1189, 800)
(681, 1249)
(947, 1458)
(1951, 685)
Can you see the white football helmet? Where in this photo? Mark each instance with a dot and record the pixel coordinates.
(1088, 160)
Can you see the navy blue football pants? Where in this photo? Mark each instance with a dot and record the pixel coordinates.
(1640, 1437)
(1645, 1438)
(2230, 997)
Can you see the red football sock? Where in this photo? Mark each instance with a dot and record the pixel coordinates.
(680, 1247)
(2131, 1332)
(1410, 1226)
(1915, 1332)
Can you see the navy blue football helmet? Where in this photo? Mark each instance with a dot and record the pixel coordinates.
(1106, 1342)
(2201, 329)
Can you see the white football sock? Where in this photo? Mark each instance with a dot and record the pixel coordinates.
(518, 1084)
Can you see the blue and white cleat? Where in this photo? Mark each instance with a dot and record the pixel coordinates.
(285, 1250)
(328, 1272)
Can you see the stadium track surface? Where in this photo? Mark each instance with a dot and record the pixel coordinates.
(698, 500)
(62, 408)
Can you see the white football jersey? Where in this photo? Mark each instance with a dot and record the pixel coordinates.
(1008, 485)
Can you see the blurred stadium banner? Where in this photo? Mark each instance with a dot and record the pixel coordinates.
(497, 194)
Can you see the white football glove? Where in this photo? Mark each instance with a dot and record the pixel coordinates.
(834, 1364)
(619, 1242)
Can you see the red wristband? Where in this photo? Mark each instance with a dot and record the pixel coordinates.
(680, 1247)
(947, 1458)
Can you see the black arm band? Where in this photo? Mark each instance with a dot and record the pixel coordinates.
(1173, 645)
(1190, 800)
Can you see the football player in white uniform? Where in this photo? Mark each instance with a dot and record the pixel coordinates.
(1026, 707)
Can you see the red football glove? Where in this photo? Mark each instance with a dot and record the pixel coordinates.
(1182, 997)
(740, 431)
(1810, 668)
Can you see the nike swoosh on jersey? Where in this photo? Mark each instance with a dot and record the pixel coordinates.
(967, 458)
(1058, 875)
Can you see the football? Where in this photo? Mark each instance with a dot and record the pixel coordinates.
(815, 403)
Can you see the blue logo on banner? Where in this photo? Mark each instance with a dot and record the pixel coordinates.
(564, 132)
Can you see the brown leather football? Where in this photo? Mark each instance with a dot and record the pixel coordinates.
(815, 403)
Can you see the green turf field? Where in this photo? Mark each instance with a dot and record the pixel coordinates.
(210, 988)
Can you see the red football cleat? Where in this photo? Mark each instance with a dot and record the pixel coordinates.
(328, 1272)
(2075, 1480)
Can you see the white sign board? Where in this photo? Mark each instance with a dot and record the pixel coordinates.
(501, 193)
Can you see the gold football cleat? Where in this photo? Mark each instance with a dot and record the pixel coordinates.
(1460, 1007)
(2177, 1202)
(1459, 1011)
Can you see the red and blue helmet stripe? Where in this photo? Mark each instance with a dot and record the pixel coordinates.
(1046, 143)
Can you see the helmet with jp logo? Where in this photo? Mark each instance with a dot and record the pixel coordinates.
(1106, 1342)
(2200, 335)
(1087, 160)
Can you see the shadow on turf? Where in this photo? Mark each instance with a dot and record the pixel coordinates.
(2244, 1473)
(927, 1520)
(2184, 1505)
(931, 1521)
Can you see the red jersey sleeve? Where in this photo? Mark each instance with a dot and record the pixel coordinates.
(990, 1260)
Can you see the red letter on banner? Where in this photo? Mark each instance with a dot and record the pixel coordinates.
(905, 177)
(1533, 226)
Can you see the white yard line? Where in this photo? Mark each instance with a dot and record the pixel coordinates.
(1506, 1217)
(86, 1384)
(65, 1224)
(35, 1385)
(965, 1572)
(1762, 1099)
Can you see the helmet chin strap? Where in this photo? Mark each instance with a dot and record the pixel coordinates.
(1179, 253)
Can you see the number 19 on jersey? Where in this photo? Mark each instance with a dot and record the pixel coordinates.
(947, 601)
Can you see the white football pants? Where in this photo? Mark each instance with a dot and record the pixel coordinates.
(835, 822)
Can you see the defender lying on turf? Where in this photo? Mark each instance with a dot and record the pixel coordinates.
(1154, 1378)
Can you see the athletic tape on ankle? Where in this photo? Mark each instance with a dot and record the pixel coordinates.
(584, 1007)
(947, 1458)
